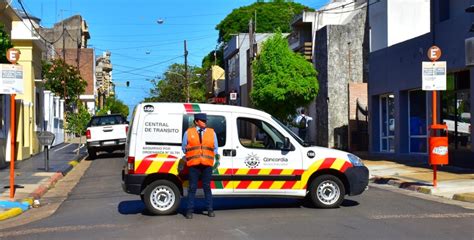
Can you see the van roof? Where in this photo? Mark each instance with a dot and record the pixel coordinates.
(191, 108)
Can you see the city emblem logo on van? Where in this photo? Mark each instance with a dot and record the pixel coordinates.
(252, 160)
(148, 108)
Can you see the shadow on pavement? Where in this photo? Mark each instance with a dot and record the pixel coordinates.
(102, 155)
(349, 203)
(227, 203)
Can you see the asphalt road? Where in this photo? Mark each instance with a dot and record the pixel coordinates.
(97, 208)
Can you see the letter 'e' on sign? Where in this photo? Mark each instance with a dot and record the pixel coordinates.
(13, 55)
(434, 53)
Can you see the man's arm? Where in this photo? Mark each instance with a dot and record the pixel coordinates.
(216, 144)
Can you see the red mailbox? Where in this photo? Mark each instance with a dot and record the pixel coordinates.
(438, 154)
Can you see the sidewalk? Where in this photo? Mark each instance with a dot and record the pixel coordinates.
(452, 182)
(34, 180)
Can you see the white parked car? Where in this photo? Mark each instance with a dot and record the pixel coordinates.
(106, 133)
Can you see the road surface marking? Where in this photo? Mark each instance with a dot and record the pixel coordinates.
(67, 145)
(419, 216)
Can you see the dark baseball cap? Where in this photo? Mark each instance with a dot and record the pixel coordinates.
(200, 116)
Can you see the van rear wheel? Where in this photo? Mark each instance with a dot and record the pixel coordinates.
(162, 197)
(327, 191)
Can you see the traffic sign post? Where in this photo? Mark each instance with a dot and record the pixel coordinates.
(11, 82)
(46, 139)
(434, 78)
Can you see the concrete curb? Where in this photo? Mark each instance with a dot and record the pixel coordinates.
(465, 197)
(14, 209)
(418, 187)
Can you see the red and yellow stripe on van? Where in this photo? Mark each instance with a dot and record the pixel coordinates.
(165, 163)
(157, 163)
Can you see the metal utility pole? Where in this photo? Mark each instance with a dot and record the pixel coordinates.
(249, 60)
(186, 71)
(64, 54)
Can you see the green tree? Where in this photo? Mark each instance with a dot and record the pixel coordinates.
(270, 16)
(171, 87)
(114, 106)
(77, 123)
(282, 78)
(5, 44)
(56, 73)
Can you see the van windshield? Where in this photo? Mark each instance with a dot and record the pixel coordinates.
(296, 137)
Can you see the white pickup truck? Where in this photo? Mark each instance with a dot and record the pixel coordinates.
(106, 133)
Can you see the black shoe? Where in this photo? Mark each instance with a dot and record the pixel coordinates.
(211, 213)
(189, 215)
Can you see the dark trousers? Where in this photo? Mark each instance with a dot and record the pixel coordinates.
(302, 133)
(205, 172)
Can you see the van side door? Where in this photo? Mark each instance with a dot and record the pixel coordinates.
(261, 164)
(221, 176)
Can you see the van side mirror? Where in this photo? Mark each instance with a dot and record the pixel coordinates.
(286, 144)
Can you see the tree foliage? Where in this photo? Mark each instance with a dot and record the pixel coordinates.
(171, 87)
(270, 16)
(114, 106)
(283, 80)
(215, 57)
(5, 44)
(77, 123)
(56, 73)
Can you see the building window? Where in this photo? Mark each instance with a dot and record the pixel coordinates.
(38, 111)
(417, 121)
(2, 113)
(55, 114)
(387, 123)
(443, 10)
(455, 110)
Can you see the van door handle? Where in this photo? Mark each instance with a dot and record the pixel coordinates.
(229, 152)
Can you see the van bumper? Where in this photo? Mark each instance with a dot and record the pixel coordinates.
(132, 183)
(358, 178)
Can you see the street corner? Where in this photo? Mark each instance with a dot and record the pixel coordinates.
(465, 197)
(416, 186)
(10, 209)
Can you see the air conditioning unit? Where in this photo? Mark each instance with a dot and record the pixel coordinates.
(469, 43)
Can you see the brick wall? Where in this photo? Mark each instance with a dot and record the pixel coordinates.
(83, 59)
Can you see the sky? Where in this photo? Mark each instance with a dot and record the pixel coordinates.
(140, 47)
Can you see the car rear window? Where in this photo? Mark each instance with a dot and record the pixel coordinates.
(107, 120)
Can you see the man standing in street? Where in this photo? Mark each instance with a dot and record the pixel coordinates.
(302, 122)
(200, 148)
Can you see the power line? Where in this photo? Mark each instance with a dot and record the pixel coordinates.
(37, 32)
(141, 35)
(148, 39)
(152, 65)
(162, 44)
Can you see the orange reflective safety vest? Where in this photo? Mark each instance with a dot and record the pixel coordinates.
(198, 153)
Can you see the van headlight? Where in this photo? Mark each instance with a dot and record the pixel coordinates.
(356, 161)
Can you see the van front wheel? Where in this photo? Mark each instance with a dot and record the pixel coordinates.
(162, 197)
(327, 191)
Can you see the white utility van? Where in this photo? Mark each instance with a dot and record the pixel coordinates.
(260, 156)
